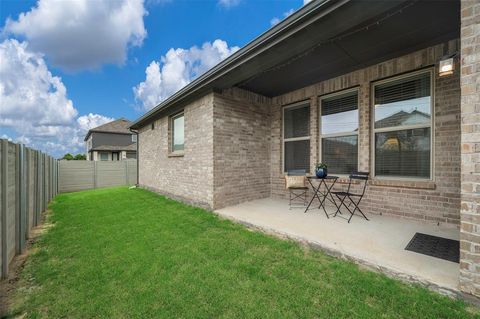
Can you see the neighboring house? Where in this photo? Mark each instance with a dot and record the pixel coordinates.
(230, 135)
(112, 141)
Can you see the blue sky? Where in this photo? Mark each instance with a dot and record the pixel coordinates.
(102, 71)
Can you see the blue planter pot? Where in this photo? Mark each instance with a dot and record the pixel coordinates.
(321, 172)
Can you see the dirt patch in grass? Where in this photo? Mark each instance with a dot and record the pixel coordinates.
(9, 286)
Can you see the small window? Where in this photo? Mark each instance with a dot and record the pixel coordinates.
(339, 131)
(296, 137)
(134, 138)
(152, 126)
(103, 156)
(178, 133)
(403, 122)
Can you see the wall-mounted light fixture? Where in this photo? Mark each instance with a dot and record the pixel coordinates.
(446, 65)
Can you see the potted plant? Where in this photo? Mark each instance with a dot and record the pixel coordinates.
(321, 170)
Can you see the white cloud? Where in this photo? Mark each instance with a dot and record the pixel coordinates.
(34, 103)
(86, 122)
(228, 3)
(82, 34)
(276, 20)
(176, 69)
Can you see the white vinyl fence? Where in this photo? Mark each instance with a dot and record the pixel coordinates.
(82, 175)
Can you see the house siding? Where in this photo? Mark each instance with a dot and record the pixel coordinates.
(188, 178)
(470, 150)
(241, 147)
(437, 200)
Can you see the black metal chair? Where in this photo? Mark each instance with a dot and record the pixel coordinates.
(352, 197)
(297, 193)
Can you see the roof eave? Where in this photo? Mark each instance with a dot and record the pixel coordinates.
(310, 12)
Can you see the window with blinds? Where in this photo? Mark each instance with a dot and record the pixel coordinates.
(296, 137)
(339, 131)
(403, 108)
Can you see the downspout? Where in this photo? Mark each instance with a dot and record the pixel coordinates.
(138, 155)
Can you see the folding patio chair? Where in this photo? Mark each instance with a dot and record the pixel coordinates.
(352, 197)
(296, 186)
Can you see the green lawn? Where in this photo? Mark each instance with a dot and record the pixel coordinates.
(120, 253)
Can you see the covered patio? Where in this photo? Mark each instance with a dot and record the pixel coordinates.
(374, 88)
(378, 244)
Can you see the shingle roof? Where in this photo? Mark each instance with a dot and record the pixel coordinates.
(131, 147)
(120, 126)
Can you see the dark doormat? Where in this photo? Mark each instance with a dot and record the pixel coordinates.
(434, 246)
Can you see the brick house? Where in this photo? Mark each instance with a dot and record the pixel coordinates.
(392, 88)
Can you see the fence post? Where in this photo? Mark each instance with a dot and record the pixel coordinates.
(44, 188)
(58, 175)
(39, 187)
(27, 191)
(94, 174)
(35, 187)
(20, 200)
(126, 172)
(4, 207)
(18, 196)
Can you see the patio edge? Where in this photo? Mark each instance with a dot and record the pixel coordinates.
(389, 272)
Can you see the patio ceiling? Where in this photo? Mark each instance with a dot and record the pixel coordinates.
(322, 40)
(349, 39)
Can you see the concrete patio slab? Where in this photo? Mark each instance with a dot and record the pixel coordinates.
(379, 243)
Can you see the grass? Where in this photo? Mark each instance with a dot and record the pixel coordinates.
(121, 253)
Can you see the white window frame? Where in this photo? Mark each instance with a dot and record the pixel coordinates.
(293, 139)
(431, 125)
(134, 138)
(172, 132)
(322, 136)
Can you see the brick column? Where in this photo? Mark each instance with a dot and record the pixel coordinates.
(314, 133)
(470, 149)
(364, 136)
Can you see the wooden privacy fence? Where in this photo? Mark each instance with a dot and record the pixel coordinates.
(82, 175)
(28, 181)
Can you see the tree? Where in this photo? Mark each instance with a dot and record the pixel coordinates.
(80, 157)
(67, 157)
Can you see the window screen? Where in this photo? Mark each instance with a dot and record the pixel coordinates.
(403, 102)
(403, 110)
(339, 132)
(296, 125)
(340, 113)
(297, 155)
(340, 153)
(296, 121)
(403, 153)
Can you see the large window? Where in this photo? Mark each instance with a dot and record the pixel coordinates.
(178, 133)
(103, 156)
(339, 131)
(296, 137)
(403, 122)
